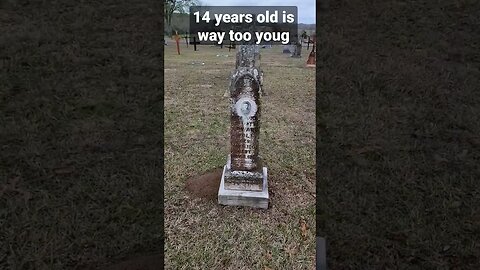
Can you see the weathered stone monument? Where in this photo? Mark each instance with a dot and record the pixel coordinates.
(244, 179)
(256, 62)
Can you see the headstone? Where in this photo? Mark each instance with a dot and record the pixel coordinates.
(297, 50)
(244, 179)
(286, 49)
(255, 63)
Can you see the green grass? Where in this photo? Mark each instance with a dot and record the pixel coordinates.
(201, 234)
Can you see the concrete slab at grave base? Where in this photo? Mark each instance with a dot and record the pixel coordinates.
(255, 199)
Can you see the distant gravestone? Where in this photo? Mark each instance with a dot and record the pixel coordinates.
(297, 50)
(244, 179)
(286, 49)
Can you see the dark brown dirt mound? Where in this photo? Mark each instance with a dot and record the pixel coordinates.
(205, 185)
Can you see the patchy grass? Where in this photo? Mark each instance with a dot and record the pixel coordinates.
(80, 133)
(200, 234)
(398, 144)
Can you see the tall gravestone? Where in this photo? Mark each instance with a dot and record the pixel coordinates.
(244, 179)
(255, 62)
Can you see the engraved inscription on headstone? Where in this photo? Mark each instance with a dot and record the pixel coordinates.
(244, 179)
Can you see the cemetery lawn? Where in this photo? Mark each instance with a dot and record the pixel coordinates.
(398, 142)
(200, 234)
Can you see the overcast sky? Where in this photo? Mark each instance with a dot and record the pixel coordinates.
(306, 9)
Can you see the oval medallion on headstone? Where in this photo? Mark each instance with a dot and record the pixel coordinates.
(245, 107)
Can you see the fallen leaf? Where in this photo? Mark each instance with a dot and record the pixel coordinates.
(303, 228)
(268, 256)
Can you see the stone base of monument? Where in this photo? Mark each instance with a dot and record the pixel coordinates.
(256, 199)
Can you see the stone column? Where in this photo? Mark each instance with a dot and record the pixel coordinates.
(242, 60)
(244, 179)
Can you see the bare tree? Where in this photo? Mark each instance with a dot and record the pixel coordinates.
(180, 6)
